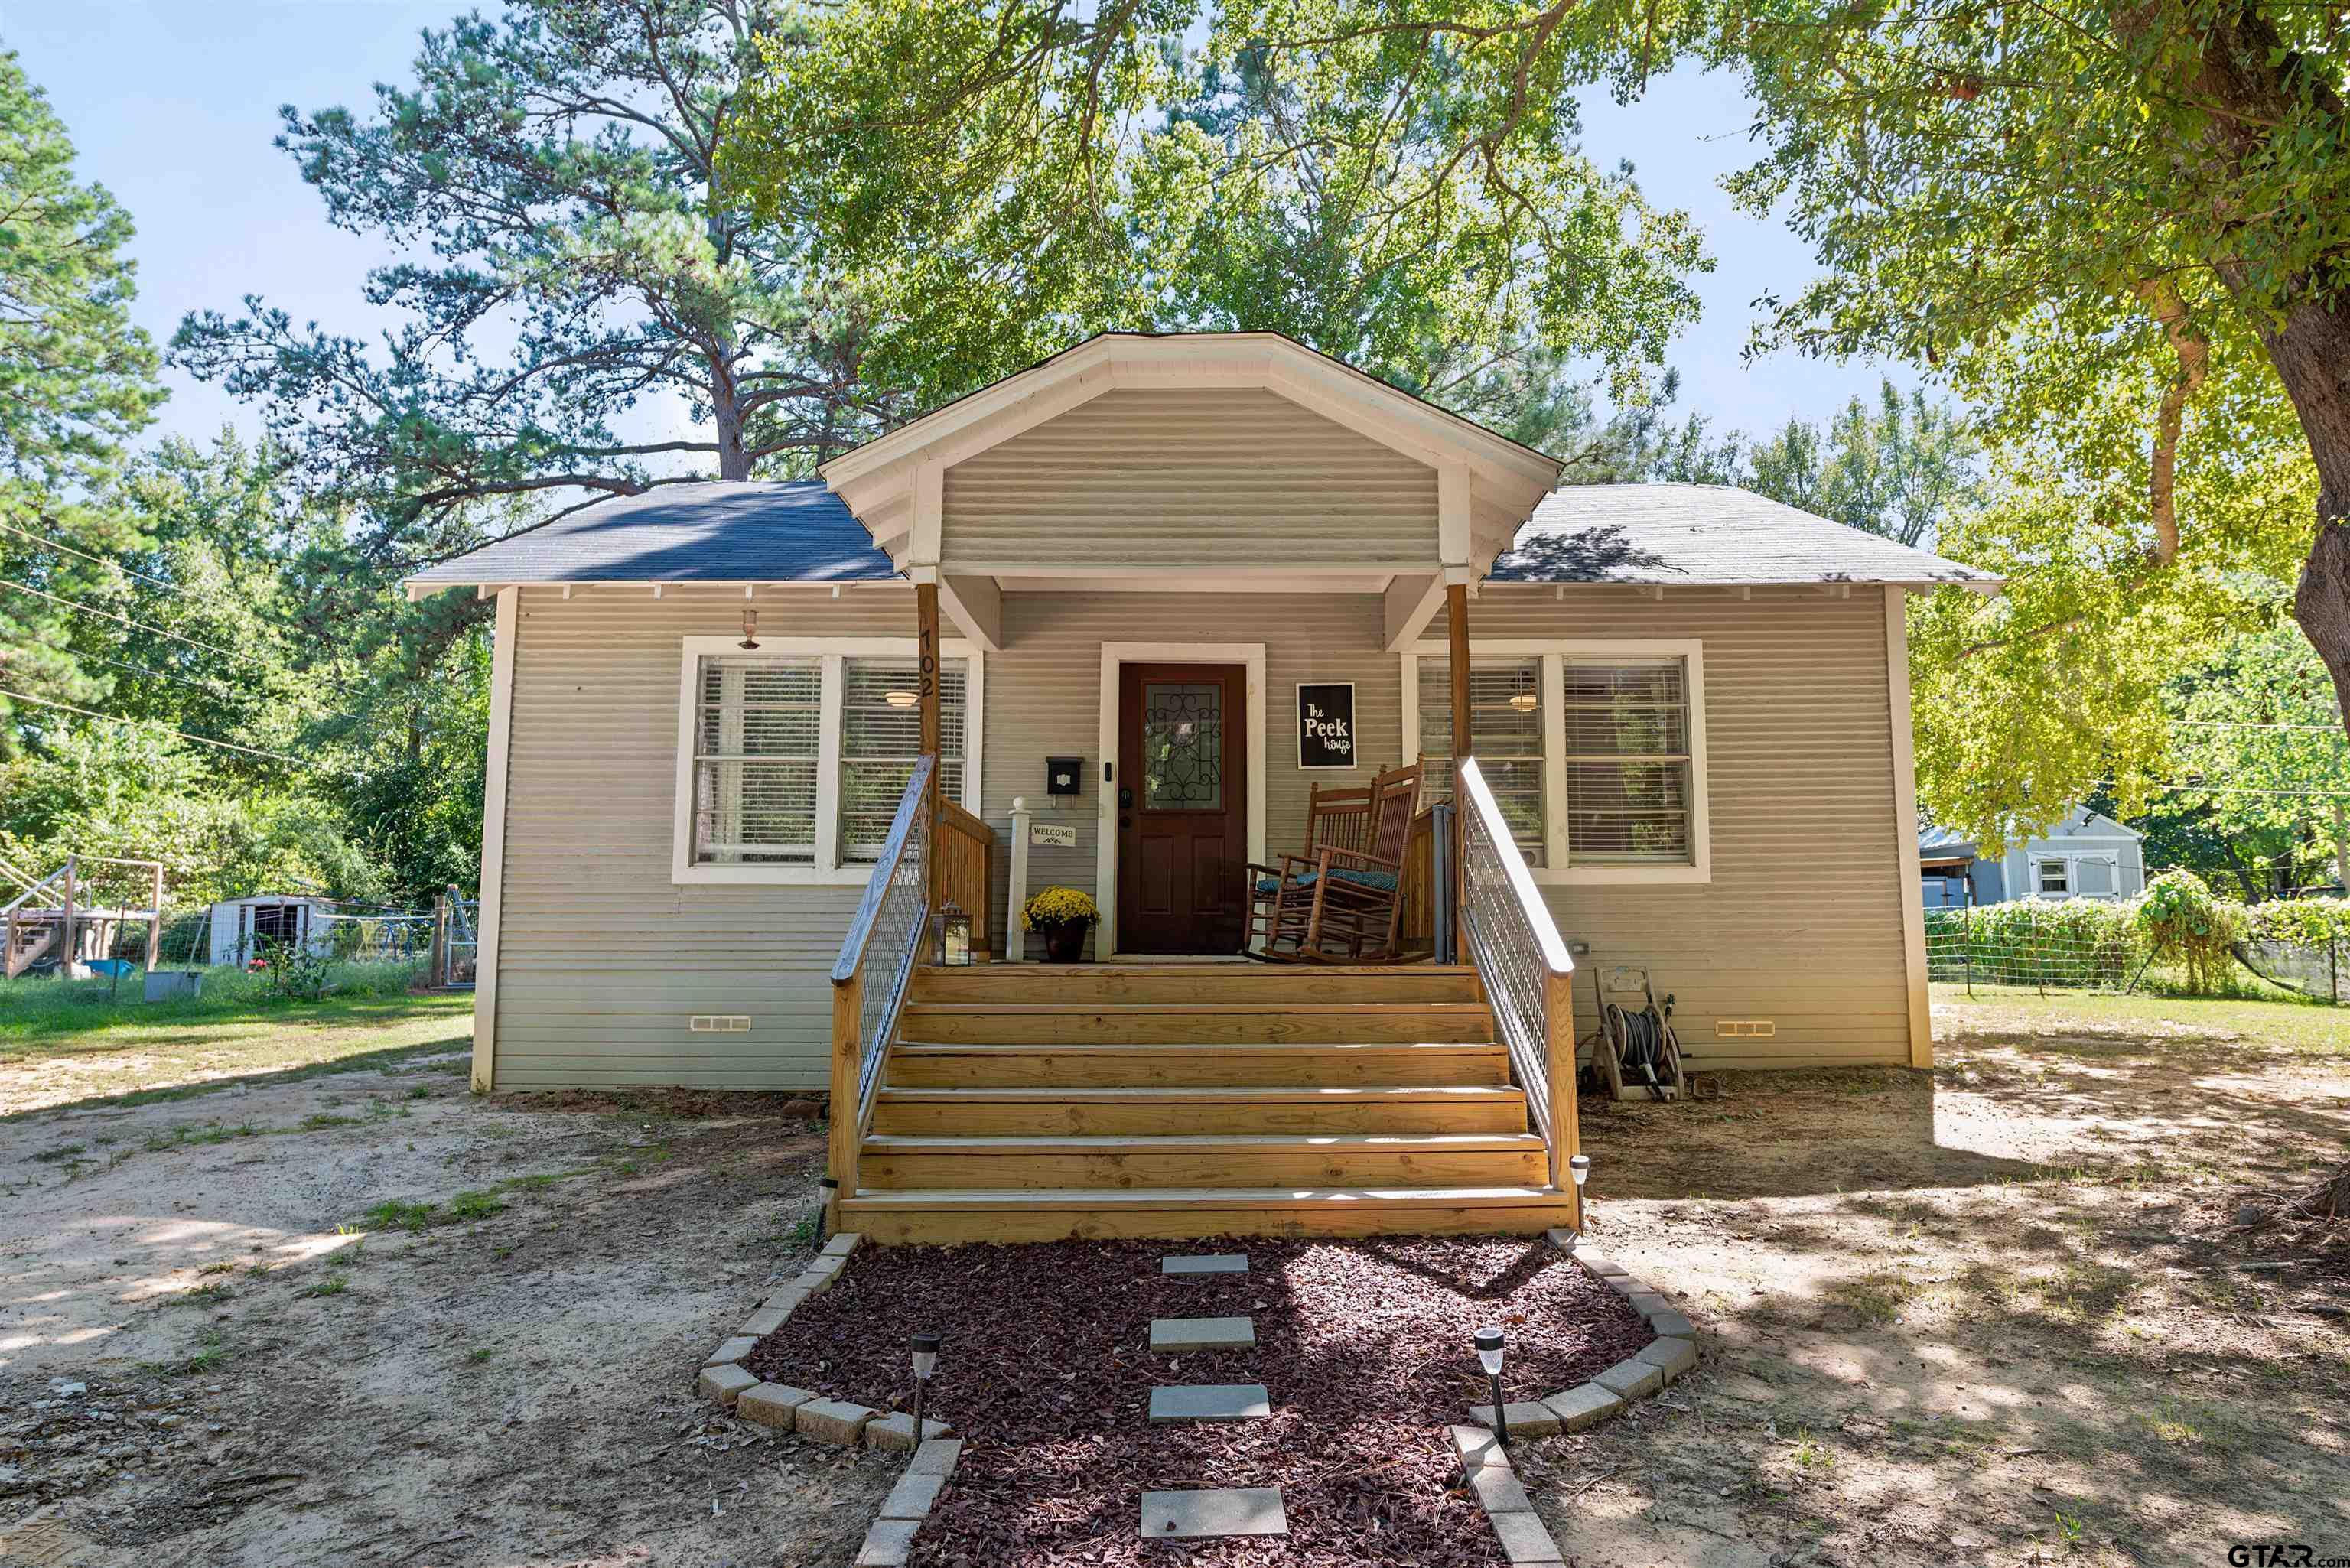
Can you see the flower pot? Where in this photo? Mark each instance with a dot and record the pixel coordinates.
(1065, 944)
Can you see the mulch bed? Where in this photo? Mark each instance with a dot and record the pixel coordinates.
(1364, 1347)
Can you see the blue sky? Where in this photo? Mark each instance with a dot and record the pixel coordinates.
(173, 104)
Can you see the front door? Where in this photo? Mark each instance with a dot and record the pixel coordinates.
(1182, 807)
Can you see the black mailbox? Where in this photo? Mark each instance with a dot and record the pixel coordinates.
(1064, 775)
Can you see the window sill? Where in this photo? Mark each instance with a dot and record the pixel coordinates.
(771, 876)
(1624, 876)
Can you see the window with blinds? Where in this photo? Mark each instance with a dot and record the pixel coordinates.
(1627, 745)
(762, 720)
(1505, 735)
(881, 740)
(757, 742)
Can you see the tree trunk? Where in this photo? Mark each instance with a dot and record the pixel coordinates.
(2311, 351)
(731, 461)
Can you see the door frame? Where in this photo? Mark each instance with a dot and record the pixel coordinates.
(1250, 657)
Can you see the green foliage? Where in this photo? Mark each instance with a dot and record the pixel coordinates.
(2303, 922)
(2183, 921)
(76, 379)
(294, 971)
(2070, 942)
(1896, 470)
(2125, 233)
(997, 180)
(560, 166)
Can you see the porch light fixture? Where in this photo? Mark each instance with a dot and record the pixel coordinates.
(750, 630)
(1489, 1357)
(925, 1349)
(901, 698)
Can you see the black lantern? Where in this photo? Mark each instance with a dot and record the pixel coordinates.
(925, 1349)
(1489, 1357)
(953, 925)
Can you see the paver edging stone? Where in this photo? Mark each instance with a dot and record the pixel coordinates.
(723, 1380)
(1485, 1465)
(889, 1539)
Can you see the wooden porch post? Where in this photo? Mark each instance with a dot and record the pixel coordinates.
(845, 1109)
(1456, 617)
(926, 636)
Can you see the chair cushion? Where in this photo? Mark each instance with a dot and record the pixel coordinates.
(1380, 881)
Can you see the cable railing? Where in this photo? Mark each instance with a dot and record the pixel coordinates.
(877, 960)
(1524, 964)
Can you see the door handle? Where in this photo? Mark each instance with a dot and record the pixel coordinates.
(1125, 821)
(1125, 799)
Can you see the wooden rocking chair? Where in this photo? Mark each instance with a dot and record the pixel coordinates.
(1346, 906)
(1335, 818)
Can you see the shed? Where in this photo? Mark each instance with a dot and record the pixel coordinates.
(2087, 855)
(239, 926)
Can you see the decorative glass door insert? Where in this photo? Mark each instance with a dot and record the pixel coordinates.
(1182, 746)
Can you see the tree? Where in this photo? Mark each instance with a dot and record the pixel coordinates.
(1894, 471)
(564, 167)
(2258, 727)
(2164, 182)
(1400, 187)
(76, 379)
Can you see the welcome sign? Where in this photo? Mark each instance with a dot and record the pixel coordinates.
(1325, 724)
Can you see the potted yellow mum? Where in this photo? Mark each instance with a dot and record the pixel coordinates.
(1061, 915)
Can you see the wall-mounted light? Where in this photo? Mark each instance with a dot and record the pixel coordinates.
(751, 631)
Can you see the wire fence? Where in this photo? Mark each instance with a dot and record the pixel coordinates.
(2083, 944)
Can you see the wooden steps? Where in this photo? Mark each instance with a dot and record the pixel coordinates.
(1028, 1102)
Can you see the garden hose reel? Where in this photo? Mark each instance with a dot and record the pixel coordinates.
(1635, 1055)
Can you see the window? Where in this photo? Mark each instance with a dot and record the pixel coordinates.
(2056, 879)
(2096, 878)
(793, 758)
(1505, 735)
(1627, 761)
(1594, 750)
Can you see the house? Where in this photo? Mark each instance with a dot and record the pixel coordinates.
(709, 698)
(2087, 855)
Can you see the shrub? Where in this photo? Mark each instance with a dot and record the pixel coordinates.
(2300, 922)
(2032, 941)
(2182, 920)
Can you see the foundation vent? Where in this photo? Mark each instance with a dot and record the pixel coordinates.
(1744, 1029)
(720, 1023)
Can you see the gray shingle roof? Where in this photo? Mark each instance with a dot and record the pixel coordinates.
(1704, 535)
(748, 531)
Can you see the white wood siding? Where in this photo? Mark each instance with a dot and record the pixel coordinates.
(603, 959)
(1802, 923)
(1196, 478)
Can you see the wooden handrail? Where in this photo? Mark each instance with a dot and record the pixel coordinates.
(12, 905)
(868, 908)
(857, 1042)
(1527, 973)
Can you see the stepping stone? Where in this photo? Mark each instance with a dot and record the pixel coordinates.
(1177, 1333)
(1210, 1402)
(1197, 1515)
(1206, 1263)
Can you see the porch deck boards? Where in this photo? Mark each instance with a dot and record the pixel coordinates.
(1030, 1101)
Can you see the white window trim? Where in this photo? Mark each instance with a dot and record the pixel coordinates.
(832, 650)
(2072, 864)
(1554, 652)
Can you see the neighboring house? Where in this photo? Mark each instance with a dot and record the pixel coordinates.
(2086, 855)
(238, 926)
(1675, 688)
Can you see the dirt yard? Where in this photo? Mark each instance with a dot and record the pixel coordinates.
(1996, 1316)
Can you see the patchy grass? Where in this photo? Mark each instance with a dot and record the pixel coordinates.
(475, 1205)
(65, 1044)
(332, 1285)
(399, 1214)
(2279, 1023)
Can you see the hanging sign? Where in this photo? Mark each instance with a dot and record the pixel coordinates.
(1325, 724)
(1053, 834)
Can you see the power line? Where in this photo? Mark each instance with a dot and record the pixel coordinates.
(46, 543)
(211, 687)
(2230, 789)
(142, 626)
(2237, 724)
(151, 724)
